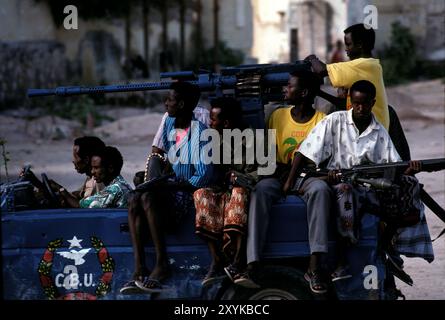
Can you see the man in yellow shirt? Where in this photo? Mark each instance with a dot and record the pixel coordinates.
(359, 43)
(292, 125)
(290, 133)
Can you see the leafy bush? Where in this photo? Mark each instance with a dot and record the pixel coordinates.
(430, 69)
(226, 57)
(399, 57)
(79, 108)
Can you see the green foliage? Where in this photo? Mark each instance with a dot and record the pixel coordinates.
(226, 57)
(399, 57)
(430, 69)
(77, 108)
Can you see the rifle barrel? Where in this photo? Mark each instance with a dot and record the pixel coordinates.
(430, 165)
(427, 165)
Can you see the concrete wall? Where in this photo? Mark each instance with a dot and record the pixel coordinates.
(319, 24)
(235, 24)
(116, 28)
(259, 28)
(424, 18)
(355, 12)
(38, 64)
(23, 20)
(94, 53)
(271, 38)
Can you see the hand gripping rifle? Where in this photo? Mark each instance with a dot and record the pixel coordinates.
(383, 176)
(252, 85)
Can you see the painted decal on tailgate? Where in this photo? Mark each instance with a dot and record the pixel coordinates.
(69, 278)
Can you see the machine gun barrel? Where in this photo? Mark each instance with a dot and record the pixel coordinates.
(271, 76)
(77, 90)
(380, 176)
(203, 84)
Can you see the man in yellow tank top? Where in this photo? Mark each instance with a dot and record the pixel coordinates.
(359, 43)
(290, 133)
(292, 125)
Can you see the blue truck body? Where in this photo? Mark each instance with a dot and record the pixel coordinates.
(37, 244)
(26, 236)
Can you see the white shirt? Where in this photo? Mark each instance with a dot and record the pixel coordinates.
(201, 114)
(337, 138)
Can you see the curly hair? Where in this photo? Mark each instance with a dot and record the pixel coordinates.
(187, 92)
(88, 145)
(364, 86)
(111, 156)
(361, 34)
(230, 110)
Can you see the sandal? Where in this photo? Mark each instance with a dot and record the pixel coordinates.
(231, 272)
(130, 287)
(341, 273)
(214, 274)
(244, 280)
(316, 282)
(151, 285)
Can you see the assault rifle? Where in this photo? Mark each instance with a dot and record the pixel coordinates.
(381, 177)
(252, 85)
(378, 176)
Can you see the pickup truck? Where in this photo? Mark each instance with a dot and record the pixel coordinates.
(87, 254)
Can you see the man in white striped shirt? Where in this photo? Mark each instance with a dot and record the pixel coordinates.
(164, 205)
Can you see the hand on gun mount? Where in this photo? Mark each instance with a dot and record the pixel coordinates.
(317, 66)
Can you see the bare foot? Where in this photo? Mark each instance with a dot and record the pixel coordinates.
(140, 273)
(153, 283)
